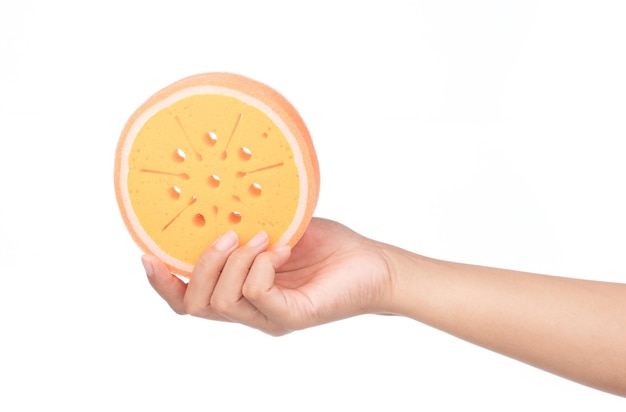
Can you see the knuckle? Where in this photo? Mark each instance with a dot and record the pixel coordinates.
(179, 310)
(221, 305)
(193, 308)
(252, 291)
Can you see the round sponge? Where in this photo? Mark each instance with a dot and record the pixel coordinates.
(210, 153)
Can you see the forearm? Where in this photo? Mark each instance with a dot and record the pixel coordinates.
(573, 328)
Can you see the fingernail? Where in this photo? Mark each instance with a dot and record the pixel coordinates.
(258, 239)
(147, 265)
(226, 241)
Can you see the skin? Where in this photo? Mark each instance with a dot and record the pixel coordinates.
(569, 327)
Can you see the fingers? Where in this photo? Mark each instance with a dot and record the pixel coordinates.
(225, 280)
(169, 287)
(215, 289)
(205, 275)
(227, 298)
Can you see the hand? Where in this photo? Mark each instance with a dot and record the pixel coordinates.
(571, 327)
(332, 273)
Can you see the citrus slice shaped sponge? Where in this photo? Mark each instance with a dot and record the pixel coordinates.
(211, 153)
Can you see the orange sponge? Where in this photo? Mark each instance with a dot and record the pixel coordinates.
(210, 153)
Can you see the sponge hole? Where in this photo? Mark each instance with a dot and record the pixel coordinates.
(234, 217)
(199, 220)
(245, 154)
(210, 138)
(255, 189)
(179, 155)
(175, 192)
(214, 181)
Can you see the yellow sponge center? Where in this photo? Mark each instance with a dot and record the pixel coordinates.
(208, 163)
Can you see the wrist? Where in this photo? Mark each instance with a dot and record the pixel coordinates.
(416, 284)
(403, 268)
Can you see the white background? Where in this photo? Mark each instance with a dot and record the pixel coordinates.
(484, 132)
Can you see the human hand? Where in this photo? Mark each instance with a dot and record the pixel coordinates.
(331, 274)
